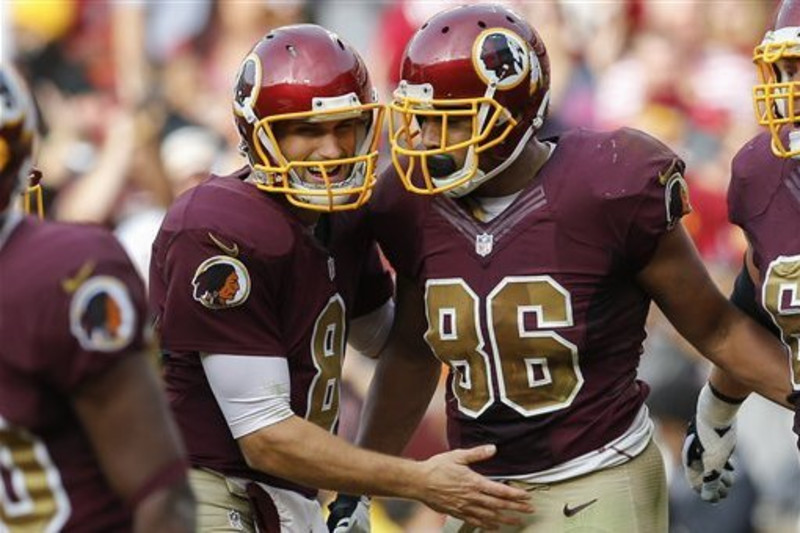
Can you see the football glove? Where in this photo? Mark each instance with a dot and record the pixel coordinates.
(710, 441)
(349, 514)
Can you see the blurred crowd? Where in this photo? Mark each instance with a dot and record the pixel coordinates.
(134, 98)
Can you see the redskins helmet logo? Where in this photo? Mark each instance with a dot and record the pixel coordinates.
(9, 102)
(501, 57)
(16, 123)
(221, 282)
(101, 315)
(246, 88)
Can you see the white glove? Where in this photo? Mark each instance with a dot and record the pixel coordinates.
(349, 514)
(710, 441)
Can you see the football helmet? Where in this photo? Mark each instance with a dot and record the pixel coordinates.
(777, 97)
(482, 63)
(306, 73)
(17, 135)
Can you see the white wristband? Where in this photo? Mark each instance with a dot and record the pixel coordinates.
(715, 411)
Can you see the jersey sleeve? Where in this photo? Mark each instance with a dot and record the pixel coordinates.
(756, 175)
(649, 198)
(218, 302)
(96, 318)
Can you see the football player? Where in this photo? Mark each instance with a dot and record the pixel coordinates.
(528, 266)
(763, 200)
(255, 282)
(86, 438)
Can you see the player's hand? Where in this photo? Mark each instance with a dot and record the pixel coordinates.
(710, 441)
(349, 514)
(707, 460)
(451, 487)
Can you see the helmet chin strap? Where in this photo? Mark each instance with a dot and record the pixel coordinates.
(794, 143)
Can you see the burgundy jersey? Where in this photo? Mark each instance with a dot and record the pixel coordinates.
(764, 200)
(537, 312)
(71, 307)
(235, 272)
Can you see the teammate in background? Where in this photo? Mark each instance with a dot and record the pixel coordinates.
(763, 200)
(528, 266)
(86, 438)
(255, 283)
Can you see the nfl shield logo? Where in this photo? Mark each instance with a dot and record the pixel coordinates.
(483, 244)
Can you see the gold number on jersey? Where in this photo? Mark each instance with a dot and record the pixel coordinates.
(781, 297)
(32, 497)
(327, 350)
(535, 368)
(540, 371)
(454, 335)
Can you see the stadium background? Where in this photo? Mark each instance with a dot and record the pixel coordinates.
(134, 99)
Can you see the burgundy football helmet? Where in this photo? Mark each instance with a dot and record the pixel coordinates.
(777, 97)
(306, 73)
(482, 62)
(17, 135)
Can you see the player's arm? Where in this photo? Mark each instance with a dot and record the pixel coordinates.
(444, 482)
(126, 417)
(743, 297)
(711, 436)
(405, 378)
(369, 333)
(253, 393)
(391, 414)
(679, 283)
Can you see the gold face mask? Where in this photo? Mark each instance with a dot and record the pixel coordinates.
(279, 174)
(490, 124)
(776, 97)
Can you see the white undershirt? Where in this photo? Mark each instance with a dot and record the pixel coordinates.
(368, 333)
(491, 207)
(251, 390)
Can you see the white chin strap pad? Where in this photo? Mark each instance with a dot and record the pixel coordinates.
(794, 142)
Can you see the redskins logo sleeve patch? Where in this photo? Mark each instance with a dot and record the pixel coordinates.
(676, 199)
(101, 315)
(221, 282)
(676, 192)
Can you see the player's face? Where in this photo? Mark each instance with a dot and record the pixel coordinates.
(459, 129)
(113, 317)
(301, 140)
(790, 72)
(231, 287)
(790, 67)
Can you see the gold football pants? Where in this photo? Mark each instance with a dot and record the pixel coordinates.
(629, 498)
